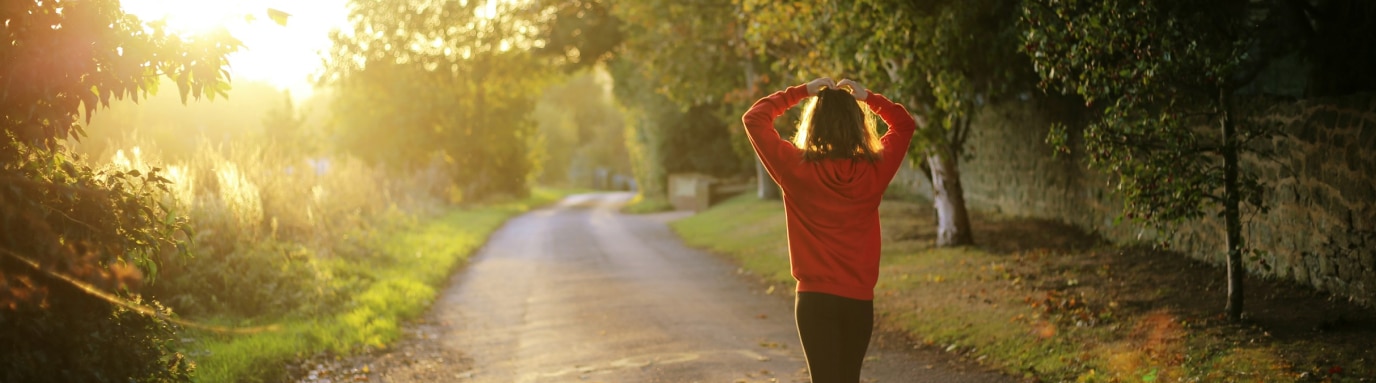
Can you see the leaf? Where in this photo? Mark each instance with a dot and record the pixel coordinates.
(278, 16)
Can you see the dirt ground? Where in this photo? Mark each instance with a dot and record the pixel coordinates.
(1322, 337)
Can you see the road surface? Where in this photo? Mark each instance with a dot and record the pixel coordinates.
(577, 292)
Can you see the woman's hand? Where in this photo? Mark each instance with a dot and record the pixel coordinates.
(815, 86)
(856, 90)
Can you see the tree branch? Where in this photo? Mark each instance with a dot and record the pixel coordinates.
(132, 306)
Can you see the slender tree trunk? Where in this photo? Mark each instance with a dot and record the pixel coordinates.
(767, 189)
(953, 220)
(948, 196)
(765, 186)
(1231, 214)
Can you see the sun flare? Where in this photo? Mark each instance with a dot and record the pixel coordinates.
(282, 55)
(186, 17)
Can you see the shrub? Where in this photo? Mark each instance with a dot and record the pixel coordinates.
(67, 232)
(79, 338)
(269, 227)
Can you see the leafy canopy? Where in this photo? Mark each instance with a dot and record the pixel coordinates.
(941, 58)
(1153, 71)
(70, 234)
(62, 59)
(422, 81)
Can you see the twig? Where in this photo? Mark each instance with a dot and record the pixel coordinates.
(135, 307)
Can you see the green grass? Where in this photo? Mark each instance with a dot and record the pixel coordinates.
(643, 205)
(403, 279)
(750, 230)
(981, 305)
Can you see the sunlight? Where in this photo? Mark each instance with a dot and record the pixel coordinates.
(284, 56)
(488, 10)
(185, 17)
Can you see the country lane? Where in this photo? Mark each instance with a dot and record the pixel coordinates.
(578, 292)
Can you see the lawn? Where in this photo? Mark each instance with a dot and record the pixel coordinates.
(1046, 302)
(402, 279)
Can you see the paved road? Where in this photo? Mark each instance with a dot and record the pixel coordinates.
(579, 293)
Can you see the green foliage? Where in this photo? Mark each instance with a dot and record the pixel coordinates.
(106, 229)
(1154, 71)
(70, 230)
(942, 58)
(78, 338)
(682, 71)
(578, 34)
(102, 226)
(419, 80)
(268, 279)
(581, 130)
(77, 55)
(692, 90)
(701, 141)
(646, 112)
(268, 223)
(643, 146)
(396, 280)
(1158, 73)
(690, 51)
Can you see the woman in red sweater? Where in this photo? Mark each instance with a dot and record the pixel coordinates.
(832, 175)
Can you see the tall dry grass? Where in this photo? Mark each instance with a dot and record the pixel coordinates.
(274, 231)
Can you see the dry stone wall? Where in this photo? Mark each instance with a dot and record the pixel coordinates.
(1321, 229)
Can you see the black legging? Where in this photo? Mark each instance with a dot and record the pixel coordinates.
(835, 332)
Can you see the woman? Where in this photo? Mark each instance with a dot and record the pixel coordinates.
(832, 175)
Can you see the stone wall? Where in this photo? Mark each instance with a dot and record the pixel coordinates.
(1321, 229)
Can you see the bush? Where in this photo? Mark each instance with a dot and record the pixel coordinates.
(274, 232)
(68, 231)
(79, 338)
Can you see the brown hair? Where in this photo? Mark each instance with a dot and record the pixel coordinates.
(836, 125)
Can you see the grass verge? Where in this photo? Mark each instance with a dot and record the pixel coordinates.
(1045, 302)
(399, 283)
(644, 205)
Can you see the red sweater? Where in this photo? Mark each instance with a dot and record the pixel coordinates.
(832, 205)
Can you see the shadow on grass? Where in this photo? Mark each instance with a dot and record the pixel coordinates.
(1070, 274)
(1048, 302)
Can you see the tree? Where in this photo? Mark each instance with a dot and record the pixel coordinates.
(670, 60)
(648, 116)
(944, 59)
(286, 127)
(419, 80)
(1157, 73)
(707, 72)
(578, 33)
(70, 234)
(581, 130)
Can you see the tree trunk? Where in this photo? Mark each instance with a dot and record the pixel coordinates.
(767, 189)
(765, 186)
(1231, 214)
(953, 221)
